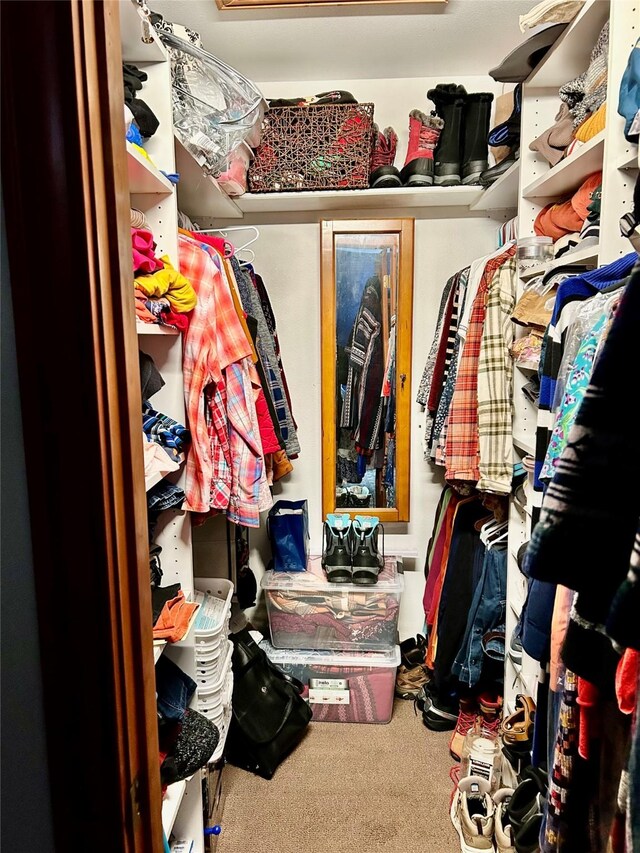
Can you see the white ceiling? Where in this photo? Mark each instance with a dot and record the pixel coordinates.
(463, 37)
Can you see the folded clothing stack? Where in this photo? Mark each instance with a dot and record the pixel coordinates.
(581, 115)
(574, 222)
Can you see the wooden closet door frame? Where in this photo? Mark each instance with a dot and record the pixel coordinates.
(66, 202)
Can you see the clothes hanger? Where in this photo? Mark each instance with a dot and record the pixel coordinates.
(500, 538)
(224, 232)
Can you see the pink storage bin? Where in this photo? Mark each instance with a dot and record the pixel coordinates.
(341, 687)
(307, 612)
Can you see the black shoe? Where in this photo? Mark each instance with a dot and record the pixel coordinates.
(527, 839)
(508, 132)
(337, 553)
(413, 651)
(439, 716)
(367, 561)
(475, 159)
(528, 798)
(450, 103)
(490, 176)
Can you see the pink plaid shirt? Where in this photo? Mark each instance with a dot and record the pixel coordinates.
(215, 340)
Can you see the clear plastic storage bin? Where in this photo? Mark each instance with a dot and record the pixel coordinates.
(307, 612)
(342, 687)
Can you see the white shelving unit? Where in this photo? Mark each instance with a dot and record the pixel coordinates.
(503, 194)
(566, 177)
(156, 196)
(539, 185)
(587, 256)
(171, 803)
(380, 199)
(155, 329)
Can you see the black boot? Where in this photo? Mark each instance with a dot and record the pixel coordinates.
(450, 102)
(476, 128)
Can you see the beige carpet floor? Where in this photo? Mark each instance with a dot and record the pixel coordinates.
(348, 789)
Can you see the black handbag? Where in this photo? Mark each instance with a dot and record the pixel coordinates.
(269, 715)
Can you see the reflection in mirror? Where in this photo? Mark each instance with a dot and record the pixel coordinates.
(367, 299)
(366, 275)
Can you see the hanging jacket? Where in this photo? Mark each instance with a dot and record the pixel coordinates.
(362, 405)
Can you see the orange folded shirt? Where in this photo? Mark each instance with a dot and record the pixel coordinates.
(173, 622)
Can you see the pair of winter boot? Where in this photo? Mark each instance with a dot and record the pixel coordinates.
(351, 553)
(446, 148)
(418, 169)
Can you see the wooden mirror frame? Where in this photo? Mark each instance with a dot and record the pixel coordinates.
(330, 229)
(275, 4)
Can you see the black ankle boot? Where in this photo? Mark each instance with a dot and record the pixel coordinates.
(450, 102)
(476, 128)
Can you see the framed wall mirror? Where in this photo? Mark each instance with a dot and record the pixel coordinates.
(367, 309)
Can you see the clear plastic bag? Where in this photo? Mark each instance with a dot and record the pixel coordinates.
(215, 108)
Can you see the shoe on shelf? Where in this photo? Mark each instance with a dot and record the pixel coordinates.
(518, 727)
(424, 133)
(367, 561)
(337, 551)
(450, 102)
(472, 814)
(491, 175)
(527, 839)
(410, 681)
(382, 172)
(518, 755)
(490, 713)
(475, 158)
(507, 133)
(467, 720)
(503, 832)
(515, 648)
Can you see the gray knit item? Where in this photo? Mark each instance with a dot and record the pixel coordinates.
(588, 92)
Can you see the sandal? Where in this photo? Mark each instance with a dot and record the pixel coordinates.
(518, 727)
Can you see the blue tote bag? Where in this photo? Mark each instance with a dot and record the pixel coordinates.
(288, 531)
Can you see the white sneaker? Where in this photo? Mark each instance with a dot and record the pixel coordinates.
(502, 827)
(472, 814)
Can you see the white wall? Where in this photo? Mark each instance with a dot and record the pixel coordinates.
(288, 258)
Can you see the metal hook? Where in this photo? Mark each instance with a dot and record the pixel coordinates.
(403, 377)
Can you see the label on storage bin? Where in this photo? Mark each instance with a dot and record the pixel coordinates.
(318, 696)
(329, 683)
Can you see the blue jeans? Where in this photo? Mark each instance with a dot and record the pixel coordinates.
(487, 611)
(174, 689)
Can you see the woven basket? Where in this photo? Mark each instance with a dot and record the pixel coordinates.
(320, 147)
